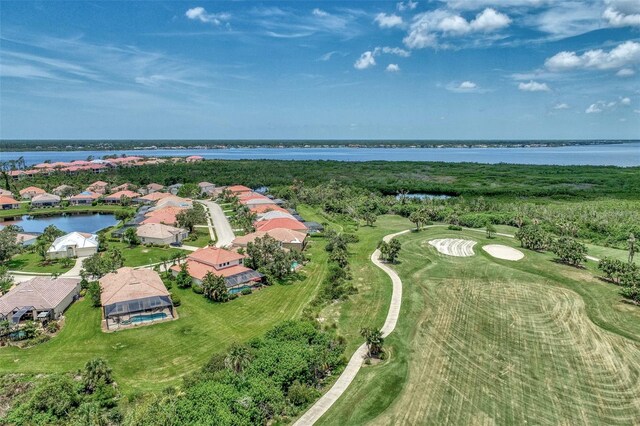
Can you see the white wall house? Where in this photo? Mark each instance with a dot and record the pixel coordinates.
(75, 244)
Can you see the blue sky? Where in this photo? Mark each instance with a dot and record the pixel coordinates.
(455, 69)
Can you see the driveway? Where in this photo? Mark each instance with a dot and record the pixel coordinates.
(220, 223)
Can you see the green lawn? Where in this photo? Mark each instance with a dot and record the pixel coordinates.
(141, 255)
(32, 262)
(482, 340)
(150, 358)
(203, 238)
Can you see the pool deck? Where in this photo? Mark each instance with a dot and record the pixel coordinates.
(119, 327)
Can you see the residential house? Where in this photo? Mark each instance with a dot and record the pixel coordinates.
(26, 239)
(84, 198)
(45, 200)
(7, 203)
(158, 233)
(39, 298)
(274, 215)
(289, 239)
(5, 193)
(74, 244)
(221, 262)
(194, 158)
(173, 189)
(151, 188)
(153, 197)
(30, 192)
(123, 187)
(206, 188)
(238, 189)
(99, 187)
(173, 201)
(62, 190)
(287, 223)
(118, 197)
(132, 297)
(265, 208)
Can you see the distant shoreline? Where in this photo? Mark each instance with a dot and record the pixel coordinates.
(110, 145)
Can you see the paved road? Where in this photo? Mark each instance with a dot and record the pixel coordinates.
(220, 223)
(340, 386)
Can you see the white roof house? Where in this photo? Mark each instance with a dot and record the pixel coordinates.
(274, 214)
(75, 244)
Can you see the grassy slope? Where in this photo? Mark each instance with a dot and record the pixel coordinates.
(530, 341)
(141, 255)
(32, 262)
(152, 357)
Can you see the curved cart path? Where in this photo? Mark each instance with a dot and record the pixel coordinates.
(328, 399)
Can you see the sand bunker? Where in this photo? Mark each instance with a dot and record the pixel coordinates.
(454, 247)
(503, 252)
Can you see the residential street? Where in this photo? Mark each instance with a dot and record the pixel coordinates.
(220, 223)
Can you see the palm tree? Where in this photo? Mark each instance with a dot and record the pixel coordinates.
(374, 340)
(238, 358)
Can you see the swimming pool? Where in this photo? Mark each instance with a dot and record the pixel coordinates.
(148, 317)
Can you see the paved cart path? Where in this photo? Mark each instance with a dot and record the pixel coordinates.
(351, 370)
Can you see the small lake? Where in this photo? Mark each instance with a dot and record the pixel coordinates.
(623, 154)
(90, 223)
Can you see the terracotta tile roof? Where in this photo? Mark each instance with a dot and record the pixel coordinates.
(32, 189)
(98, 184)
(163, 210)
(167, 218)
(86, 195)
(198, 270)
(155, 186)
(214, 256)
(280, 234)
(155, 196)
(7, 200)
(238, 188)
(130, 284)
(267, 225)
(264, 208)
(118, 195)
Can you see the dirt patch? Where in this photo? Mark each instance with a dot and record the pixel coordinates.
(454, 246)
(503, 252)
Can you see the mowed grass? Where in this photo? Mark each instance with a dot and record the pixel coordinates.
(141, 255)
(203, 238)
(487, 341)
(152, 357)
(32, 262)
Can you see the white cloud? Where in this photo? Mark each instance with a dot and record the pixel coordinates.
(490, 20)
(200, 14)
(622, 13)
(623, 55)
(464, 87)
(408, 5)
(561, 105)
(427, 27)
(327, 56)
(319, 12)
(366, 60)
(601, 106)
(392, 51)
(388, 21)
(533, 86)
(625, 72)
(593, 109)
(566, 18)
(393, 68)
(479, 4)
